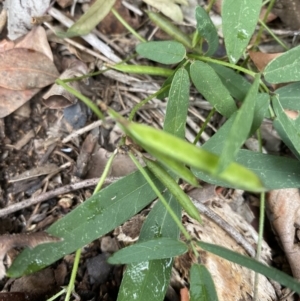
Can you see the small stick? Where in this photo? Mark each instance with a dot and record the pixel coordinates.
(231, 231)
(50, 194)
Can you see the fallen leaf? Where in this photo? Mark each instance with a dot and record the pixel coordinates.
(22, 69)
(57, 97)
(36, 40)
(283, 208)
(11, 100)
(261, 60)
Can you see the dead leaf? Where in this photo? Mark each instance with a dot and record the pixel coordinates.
(283, 208)
(36, 40)
(31, 240)
(292, 114)
(57, 97)
(261, 60)
(23, 69)
(11, 100)
(6, 45)
(110, 25)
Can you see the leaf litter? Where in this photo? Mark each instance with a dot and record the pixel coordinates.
(29, 70)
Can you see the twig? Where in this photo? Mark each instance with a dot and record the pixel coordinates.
(90, 38)
(51, 194)
(231, 231)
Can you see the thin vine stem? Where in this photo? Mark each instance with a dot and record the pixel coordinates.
(207, 59)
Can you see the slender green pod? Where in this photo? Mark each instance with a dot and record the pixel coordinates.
(174, 188)
(138, 69)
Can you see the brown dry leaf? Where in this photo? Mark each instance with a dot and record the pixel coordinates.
(261, 60)
(36, 40)
(6, 45)
(109, 25)
(31, 240)
(58, 97)
(283, 207)
(23, 69)
(11, 100)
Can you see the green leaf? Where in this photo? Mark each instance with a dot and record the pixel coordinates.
(253, 265)
(236, 84)
(89, 221)
(240, 128)
(210, 86)
(178, 104)
(275, 172)
(159, 248)
(202, 287)
(287, 128)
(207, 30)
(179, 150)
(177, 167)
(289, 96)
(143, 281)
(239, 19)
(285, 68)
(96, 13)
(174, 188)
(165, 52)
(149, 280)
(261, 109)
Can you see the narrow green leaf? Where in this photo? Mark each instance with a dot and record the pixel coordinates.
(138, 69)
(210, 86)
(88, 221)
(148, 281)
(91, 18)
(207, 30)
(284, 68)
(184, 152)
(261, 110)
(178, 104)
(275, 172)
(165, 52)
(239, 19)
(177, 167)
(174, 188)
(168, 27)
(235, 83)
(240, 128)
(158, 248)
(202, 286)
(253, 265)
(287, 128)
(289, 96)
(143, 280)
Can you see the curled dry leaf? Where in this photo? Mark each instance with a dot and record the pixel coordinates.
(283, 207)
(57, 97)
(31, 240)
(11, 100)
(23, 69)
(36, 40)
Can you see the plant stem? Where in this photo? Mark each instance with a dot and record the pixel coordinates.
(73, 275)
(127, 26)
(84, 99)
(144, 101)
(211, 113)
(160, 196)
(207, 59)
